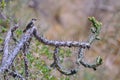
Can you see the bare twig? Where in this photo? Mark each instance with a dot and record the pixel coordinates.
(93, 66)
(26, 65)
(94, 36)
(58, 65)
(80, 60)
(60, 43)
(25, 50)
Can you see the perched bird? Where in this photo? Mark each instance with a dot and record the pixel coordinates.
(30, 25)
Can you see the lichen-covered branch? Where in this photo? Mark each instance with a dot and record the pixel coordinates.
(14, 53)
(95, 30)
(31, 31)
(94, 65)
(26, 65)
(60, 43)
(94, 36)
(58, 65)
(24, 52)
(6, 43)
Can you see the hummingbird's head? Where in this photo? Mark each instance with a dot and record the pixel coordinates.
(33, 20)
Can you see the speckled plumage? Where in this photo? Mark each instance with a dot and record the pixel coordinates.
(30, 25)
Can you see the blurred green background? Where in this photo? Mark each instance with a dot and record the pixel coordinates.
(67, 20)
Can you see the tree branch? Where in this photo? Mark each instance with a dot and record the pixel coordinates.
(6, 43)
(8, 57)
(24, 52)
(15, 52)
(94, 36)
(60, 43)
(59, 67)
(95, 30)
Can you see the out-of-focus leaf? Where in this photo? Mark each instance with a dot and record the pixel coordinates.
(1, 40)
(2, 4)
(3, 29)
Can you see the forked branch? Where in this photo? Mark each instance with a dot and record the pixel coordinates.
(31, 31)
(95, 30)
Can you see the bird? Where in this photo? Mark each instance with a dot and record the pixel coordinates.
(30, 25)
